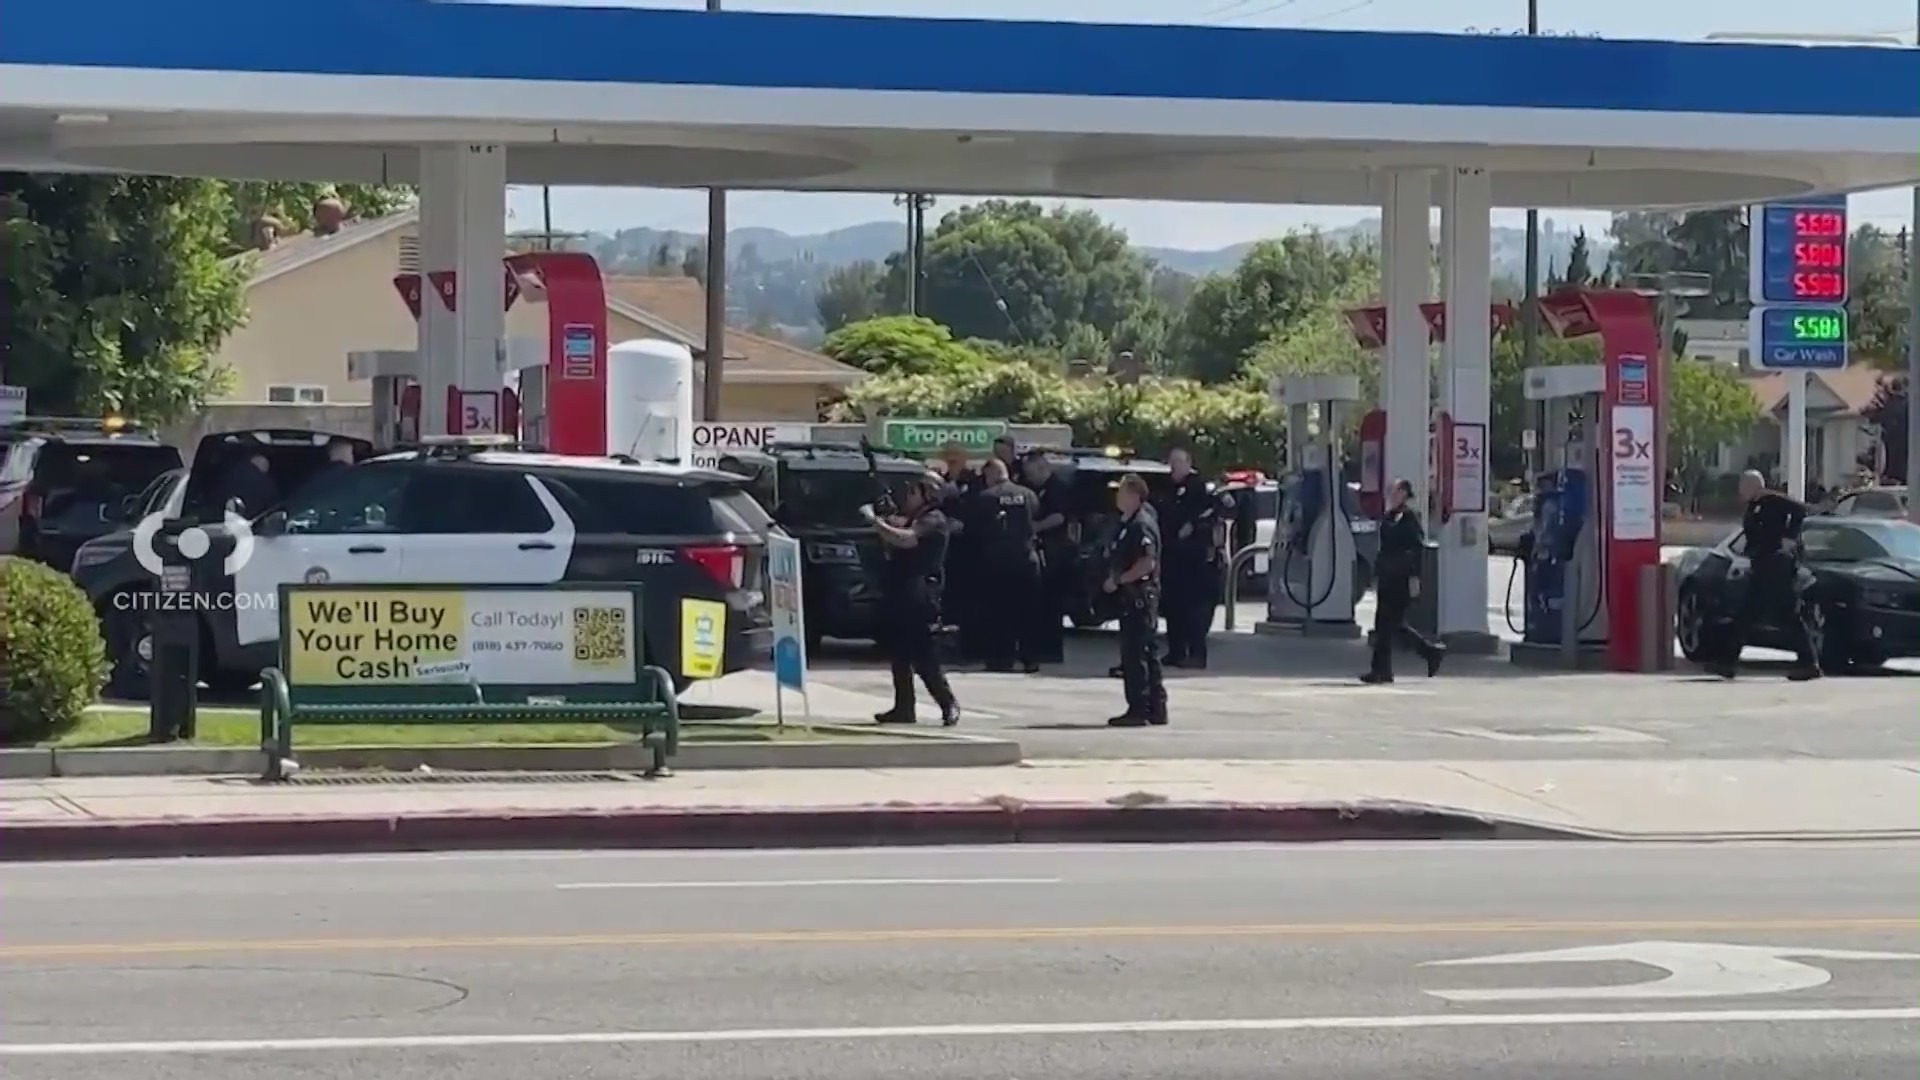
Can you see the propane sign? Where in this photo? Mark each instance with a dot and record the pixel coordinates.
(711, 442)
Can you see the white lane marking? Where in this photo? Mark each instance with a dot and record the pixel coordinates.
(817, 883)
(954, 1031)
(1689, 969)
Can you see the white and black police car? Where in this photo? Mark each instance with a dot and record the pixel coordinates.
(462, 512)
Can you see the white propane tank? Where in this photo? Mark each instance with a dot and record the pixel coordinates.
(650, 401)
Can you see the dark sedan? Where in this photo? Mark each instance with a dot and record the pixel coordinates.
(1859, 594)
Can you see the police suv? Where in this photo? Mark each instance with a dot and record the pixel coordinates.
(484, 512)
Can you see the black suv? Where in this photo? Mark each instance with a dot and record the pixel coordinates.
(64, 482)
(481, 514)
(814, 491)
(1092, 477)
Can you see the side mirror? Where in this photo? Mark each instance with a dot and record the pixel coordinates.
(129, 508)
(236, 507)
(274, 524)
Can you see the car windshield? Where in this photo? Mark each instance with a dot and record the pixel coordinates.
(832, 498)
(80, 480)
(1900, 541)
(1885, 502)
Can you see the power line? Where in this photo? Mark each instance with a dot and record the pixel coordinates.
(1337, 12)
(1224, 9)
(1257, 12)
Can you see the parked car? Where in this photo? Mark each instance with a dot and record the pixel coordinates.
(1873, 502)
(474, 514)
(64, 482)
(1859, 587)
(814, 491)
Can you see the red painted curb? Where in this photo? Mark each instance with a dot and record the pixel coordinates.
(723, 827)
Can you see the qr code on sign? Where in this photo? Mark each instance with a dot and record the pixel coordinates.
(600, 636)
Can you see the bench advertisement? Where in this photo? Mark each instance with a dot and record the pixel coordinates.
(411, 636)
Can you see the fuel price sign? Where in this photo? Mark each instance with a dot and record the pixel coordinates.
(1799, 338)
(1799, 252)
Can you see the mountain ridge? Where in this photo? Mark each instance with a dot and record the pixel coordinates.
(632, 248)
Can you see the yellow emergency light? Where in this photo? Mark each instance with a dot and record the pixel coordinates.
(112, 424)
(1114, 452)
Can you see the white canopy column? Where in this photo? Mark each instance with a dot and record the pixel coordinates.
(1466, 386)
(1406, 253)
(463, 236)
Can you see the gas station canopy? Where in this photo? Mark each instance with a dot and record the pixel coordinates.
(351, 90)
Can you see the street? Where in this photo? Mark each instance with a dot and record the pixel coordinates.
(1209, 963)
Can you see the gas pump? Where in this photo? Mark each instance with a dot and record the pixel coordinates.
(1564, 560)
(395, 393)
(1310, 584)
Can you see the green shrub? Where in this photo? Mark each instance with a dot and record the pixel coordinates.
(52, 659)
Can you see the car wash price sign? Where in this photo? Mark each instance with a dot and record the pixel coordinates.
(1798, 282)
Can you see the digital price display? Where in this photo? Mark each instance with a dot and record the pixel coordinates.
(1800, 339)
(1800, 253)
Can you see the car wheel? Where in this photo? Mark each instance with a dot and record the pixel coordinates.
(1690, 627)
(129, 640)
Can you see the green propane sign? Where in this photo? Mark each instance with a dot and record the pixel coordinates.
(928, 436)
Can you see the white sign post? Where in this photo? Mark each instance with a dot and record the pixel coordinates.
(714, 441)
(787, 604)
(13, 404)
(1688, 970)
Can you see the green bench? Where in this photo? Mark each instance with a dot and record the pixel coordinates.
(334, 640)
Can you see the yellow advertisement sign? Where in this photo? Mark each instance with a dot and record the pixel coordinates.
(703, 636)
(379, 636)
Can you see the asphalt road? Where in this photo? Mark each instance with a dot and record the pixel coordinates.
(1075, 964)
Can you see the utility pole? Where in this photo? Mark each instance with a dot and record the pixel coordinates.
(916, 248)
(546, 214)
(1530, 304)
(712, 364)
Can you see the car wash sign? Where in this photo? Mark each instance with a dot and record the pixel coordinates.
(714, 441)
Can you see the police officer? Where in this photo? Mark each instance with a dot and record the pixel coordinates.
(1189, 513)
(1134, 572)
(1771, 528)
(1402, 543)
(1058, 561)
(1012, 569)
(914, 579)
(957, 504)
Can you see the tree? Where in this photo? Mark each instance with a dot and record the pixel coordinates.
(901, 345)
(1888, 412)
(1014, 271)
(114, 291)
(660, 263)
(1579, 262)
(1279, 283)
(850, 294)
(1877, 301)
(1710, 406)
(693, 262)
(1710, 242)
(291, 205)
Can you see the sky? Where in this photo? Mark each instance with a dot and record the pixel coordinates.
(1208, 226)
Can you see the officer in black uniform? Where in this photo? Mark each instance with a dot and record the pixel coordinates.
(957, 503)
(1058, 564)
(1012, 570)
(1134, 572)
(1771, 528)
(914, 579)
(1402, 544)
(1189, 514)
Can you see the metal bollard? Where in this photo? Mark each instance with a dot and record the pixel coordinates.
(1230, 588)
(1570, 615)
(1658, 604)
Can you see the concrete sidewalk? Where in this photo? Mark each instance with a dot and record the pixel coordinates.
(1093, 800)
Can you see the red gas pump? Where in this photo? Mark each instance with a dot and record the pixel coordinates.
(1633, 467)
(1373, 464)
(568, 411)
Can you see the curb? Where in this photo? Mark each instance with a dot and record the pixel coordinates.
(1011, 822)
(913, 750)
